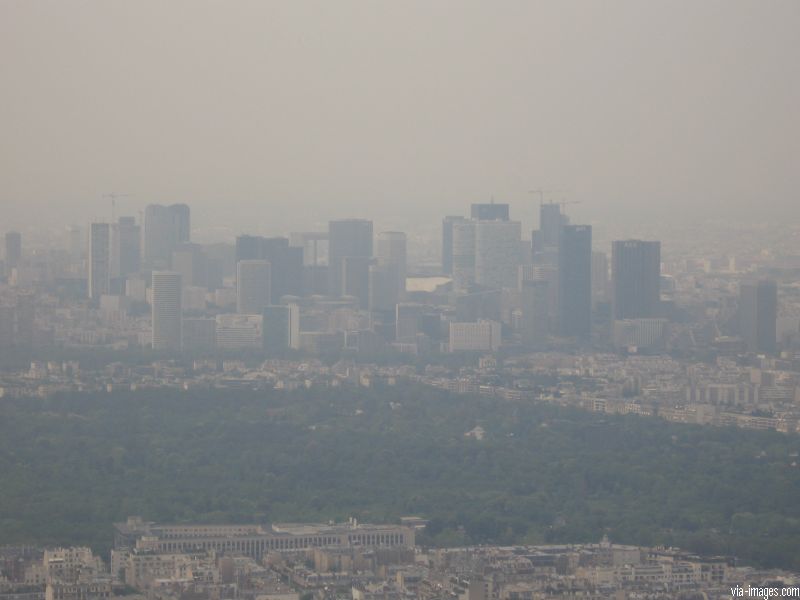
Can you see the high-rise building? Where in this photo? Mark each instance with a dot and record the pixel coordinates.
(286, 263)
(165, 227)
(636, 279)
(489, 212)
(281, 327)
(463, 255)
(99, 260)
(391, 254)
(129, 246)
(575, 281)
(384, 292)
(252, 286)
(535, 305)
(497, 253)
(166, 310)
(758, 315)
(408, 321)
(13, 254)
(192, 263)
(355, 278)
(346, 238)
(447, 242)
(551, 221)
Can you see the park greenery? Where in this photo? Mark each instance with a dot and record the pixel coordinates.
(72, 464)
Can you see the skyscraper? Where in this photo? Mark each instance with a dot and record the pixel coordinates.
(192, 263)
(129, 246)
(636, 279)
(463, 255)
(252, 286)
(355, 278)
(166, 310)
(99, 260)
(535, 311)
(550, 223)
(391, 254)
(165, 227)
(447, 242)
(758, 313)
(489, 212)
(497, 253)
(347, 238)
(286, 263)
(575, 281)
(281, 327)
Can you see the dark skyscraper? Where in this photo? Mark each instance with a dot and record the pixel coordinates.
(129, 242)
(575, 281)
(489, 212)
(347, 238)
(758, 313)
(447, 242)
(636, 279)
(286, 262)
(550, 223)
(165, 227)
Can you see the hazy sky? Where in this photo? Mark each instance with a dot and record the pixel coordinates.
(271, 116)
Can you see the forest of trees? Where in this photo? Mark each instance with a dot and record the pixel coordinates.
(73, 464)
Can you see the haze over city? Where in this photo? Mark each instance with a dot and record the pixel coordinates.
(399, 300)
(272, 116)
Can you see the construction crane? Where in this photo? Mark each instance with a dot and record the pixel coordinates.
(542, 192)
(113, 197)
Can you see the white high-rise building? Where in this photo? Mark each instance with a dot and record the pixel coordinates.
(252, 286)
(99, 260)
(166, 304)
(497, 253)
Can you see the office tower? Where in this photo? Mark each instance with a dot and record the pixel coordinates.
(408, 321)
(636, 279)
(286, 263)
(497, 257)
(550, 223)
(575, 281)
(165, 227)
(599, 277)
(128, 246)
(489, 212)
(384, 292)
(350, 237)
(192, 263)
(535, 305)
(391, 254)
(447, 242)
(166, 310)
(281, 328)
(758, 314)
(355, 278)
(13, 254)
(99, 260)
(463, 255)
(252, 286)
